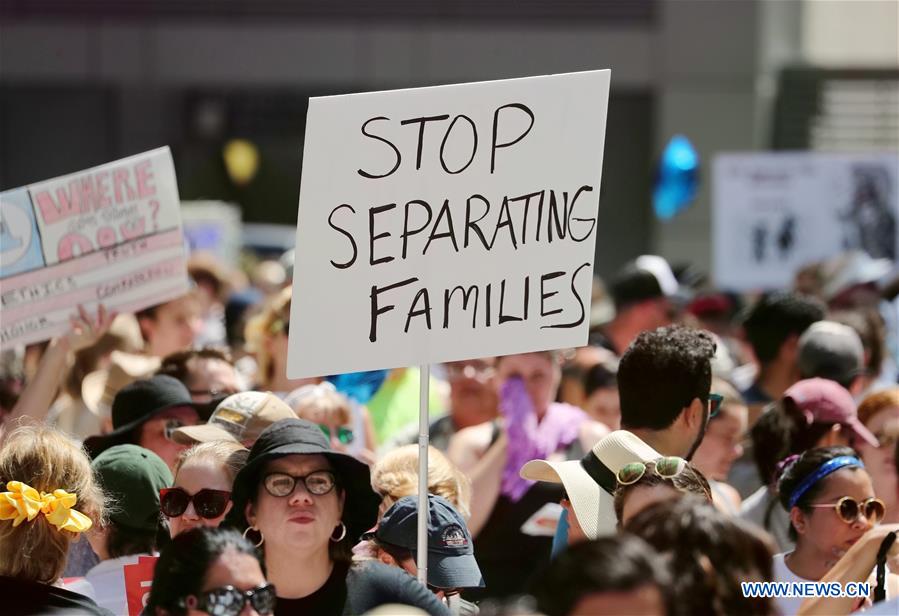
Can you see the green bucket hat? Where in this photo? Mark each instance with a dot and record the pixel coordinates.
(131, 478)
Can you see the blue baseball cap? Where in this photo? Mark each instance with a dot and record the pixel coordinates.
(451, 561)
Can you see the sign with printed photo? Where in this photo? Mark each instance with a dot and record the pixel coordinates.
(777, 212)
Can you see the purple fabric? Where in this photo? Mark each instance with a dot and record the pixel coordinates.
(529, 440)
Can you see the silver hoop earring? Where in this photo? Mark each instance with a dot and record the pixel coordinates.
(261, 536)
(342, 534)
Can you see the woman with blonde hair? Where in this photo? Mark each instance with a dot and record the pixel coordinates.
(201, 492)
(396, 476)
(48, 497)
(266, 336)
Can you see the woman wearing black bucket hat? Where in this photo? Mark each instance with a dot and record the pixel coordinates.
(305, 506)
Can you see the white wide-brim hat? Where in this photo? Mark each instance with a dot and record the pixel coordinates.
(590, 482)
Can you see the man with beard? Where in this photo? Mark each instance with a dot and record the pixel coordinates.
(664, 382)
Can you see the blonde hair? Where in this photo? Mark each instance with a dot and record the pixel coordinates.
(265, 325)
(876, 402)
(47, 460)
(322, 398)
(396, 475)
(229, 456)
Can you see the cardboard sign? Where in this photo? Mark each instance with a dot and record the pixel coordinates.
(111, 234)
(138, 582)
(777, 212)
(445, 223)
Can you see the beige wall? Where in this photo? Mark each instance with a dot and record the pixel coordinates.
(840, 33)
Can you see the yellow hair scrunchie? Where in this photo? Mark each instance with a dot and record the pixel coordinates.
(22, 503)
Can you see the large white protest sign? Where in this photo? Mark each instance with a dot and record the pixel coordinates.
(444, 223)
(776, 212)
(110, 234)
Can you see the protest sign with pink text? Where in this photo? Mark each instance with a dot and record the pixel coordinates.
(110, 234)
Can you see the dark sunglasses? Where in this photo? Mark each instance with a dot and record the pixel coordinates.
(715, 401)
(344, 435)
(666, 468)
(228, 601)
(318, 483)
(208, 503)
(848, 509)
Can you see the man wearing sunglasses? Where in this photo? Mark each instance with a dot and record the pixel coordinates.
(664, 382)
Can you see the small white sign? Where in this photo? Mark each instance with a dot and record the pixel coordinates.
(777, 212)
(444, 223)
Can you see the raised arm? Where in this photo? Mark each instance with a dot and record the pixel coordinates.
(856, 565)
(41, 391)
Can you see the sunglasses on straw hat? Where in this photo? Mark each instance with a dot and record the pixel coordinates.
(848, 508)
(666, 468)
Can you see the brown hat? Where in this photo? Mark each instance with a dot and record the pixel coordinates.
(239, 418)
(100, 387)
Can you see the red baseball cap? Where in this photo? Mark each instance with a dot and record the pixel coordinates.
(826, 401)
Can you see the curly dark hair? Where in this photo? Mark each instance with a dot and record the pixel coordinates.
(777, 316)
(709, 554)
(662, 372)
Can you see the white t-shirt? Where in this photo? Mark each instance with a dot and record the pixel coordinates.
(788, 606)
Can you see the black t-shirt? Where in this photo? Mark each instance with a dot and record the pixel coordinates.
(363, 587)
(27, 598)
(327, 600)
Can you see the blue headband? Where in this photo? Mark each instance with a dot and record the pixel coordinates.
(822, 471)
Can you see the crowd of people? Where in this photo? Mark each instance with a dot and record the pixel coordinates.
(163, 463)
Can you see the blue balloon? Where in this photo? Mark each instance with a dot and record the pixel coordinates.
(677, 178)
(360, 386)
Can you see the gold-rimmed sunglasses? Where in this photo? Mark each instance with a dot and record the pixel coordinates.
(848, 508)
